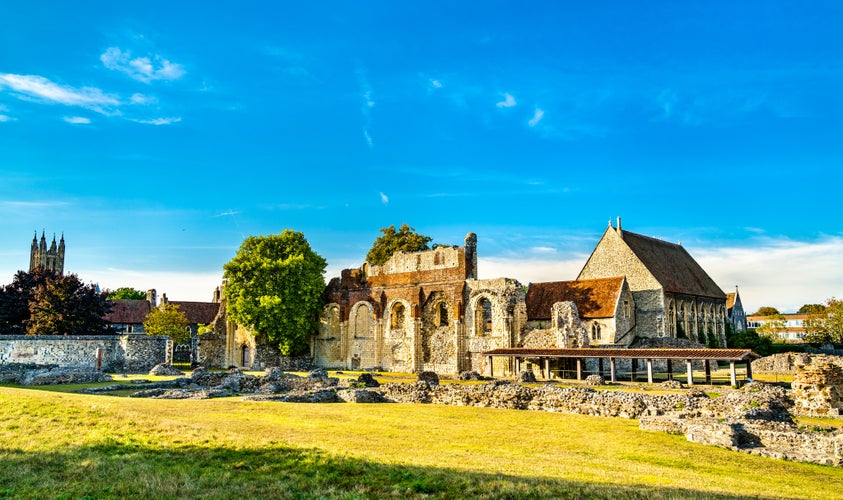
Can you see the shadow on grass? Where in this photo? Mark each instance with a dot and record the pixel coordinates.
(120, 470)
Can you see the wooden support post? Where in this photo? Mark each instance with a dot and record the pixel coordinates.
(733, 376)
(517, 366)
(547, 368)
(634, 365)
(670, 369)
(579, 368)
(649, 371)
(612, 370)
(600, 366)
(708, 372)
(689, 368)
(491, 368)
(748, 368)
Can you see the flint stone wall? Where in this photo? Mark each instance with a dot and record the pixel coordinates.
(791, 362)
(132, 353)
(818, 390)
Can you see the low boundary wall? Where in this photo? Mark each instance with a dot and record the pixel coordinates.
(120, 353)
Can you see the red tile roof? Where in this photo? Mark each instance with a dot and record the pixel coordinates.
(198, 312)
(595, 298)
(127, 312)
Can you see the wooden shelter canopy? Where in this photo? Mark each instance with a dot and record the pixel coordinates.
(652, 353)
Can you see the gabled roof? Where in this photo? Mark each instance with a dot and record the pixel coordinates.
(198, 312)
(595, 298)
(672, 266)
(127, 312)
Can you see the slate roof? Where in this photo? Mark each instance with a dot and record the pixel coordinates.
(595, 298)
(127, 312)
(672, 266)
(720, 354)
(198, 312)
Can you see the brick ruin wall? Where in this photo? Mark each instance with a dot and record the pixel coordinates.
(132, 353)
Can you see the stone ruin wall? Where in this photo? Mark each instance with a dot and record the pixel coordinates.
(135, 353)
(818, 390)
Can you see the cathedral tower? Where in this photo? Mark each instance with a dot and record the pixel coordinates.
(51, 258)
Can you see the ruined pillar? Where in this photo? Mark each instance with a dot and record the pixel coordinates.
(579, 368)
(612, 369)
(733, 377)
(649, 371)
(689, 369)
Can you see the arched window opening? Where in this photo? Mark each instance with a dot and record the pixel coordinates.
(483, 317)
(398, 315)
(443, 314)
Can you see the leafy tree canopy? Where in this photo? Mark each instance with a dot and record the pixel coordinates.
(811, 309)
(64, 305)
(405, 238)
(826, 326)
(766, 311)
(749, 340)
(275, 286)
(126, 293)
(167, 320)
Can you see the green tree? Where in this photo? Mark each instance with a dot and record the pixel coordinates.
(391, 241)
(64, 305)
(168, 320)
(275, 287)
(126, 293)
(748, 340)
(765, 311)
(774, 328)
(811, 309)
(825, 326)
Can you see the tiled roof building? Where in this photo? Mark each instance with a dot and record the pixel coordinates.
(673, 295)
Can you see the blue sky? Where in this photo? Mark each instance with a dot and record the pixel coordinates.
(156, 135)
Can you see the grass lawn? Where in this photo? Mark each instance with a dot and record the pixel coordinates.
(62, 445)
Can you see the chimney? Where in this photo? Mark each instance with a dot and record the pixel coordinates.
(216, 295)
(164, 299)
(619, 223)
(151, 298)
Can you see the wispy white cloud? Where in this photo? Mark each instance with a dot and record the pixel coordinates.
(158, 121)
(435, 83)
(34, 87)
(33, 204)
(384, 198)
(142, 99)
(778, 272)
(508, 101)
(227, 213)
(368, 103)
(77, 120)
(543, 250)
(145, 68)
(537, 117)
(6, 118)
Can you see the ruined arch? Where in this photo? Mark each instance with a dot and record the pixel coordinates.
(361, 333)
(399, 316)
(438, 339)
(327, 345)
